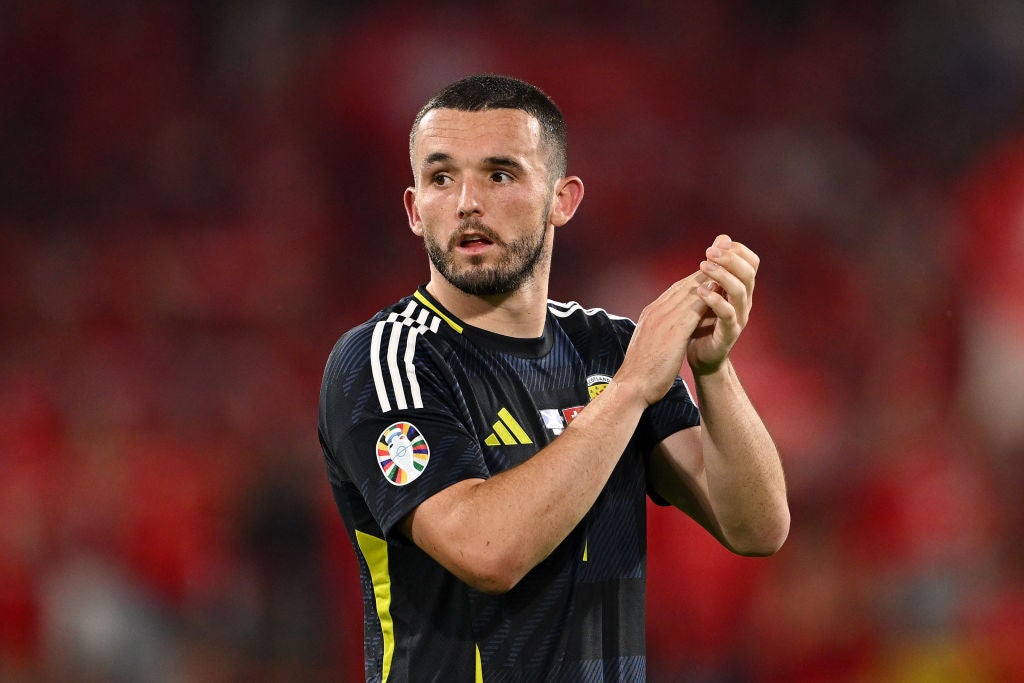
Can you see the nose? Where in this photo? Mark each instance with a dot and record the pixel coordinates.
(469, 200)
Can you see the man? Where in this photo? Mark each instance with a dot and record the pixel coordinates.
(490, 450)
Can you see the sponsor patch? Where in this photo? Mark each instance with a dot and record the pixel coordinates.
(553, 420)
(402, 453)
(557, 419)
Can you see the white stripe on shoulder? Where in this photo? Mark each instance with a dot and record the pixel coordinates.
(396, 380)
(410, 369)
(564, 310)
(375, 369)
(392, 364)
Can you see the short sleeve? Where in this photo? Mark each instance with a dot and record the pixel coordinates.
(400, 432)
(675, 412)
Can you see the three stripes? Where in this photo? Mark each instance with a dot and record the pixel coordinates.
(392, 371)
(393, 347)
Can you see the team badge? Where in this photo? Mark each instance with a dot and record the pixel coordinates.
(596, 384)
(402, 453)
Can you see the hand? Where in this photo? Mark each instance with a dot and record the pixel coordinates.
(660, 341)
(732, 267)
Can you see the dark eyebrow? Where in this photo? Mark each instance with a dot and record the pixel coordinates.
(436, 158)
(499, 161)
(507, 162)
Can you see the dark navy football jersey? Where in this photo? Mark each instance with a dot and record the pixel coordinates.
(413, 401)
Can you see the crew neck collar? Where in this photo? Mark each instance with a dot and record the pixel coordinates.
(524, 347)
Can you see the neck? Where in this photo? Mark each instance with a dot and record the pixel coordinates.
(521, 313)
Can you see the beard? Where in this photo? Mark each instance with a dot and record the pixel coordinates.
(516, 264)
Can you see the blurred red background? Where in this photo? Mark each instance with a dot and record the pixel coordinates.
(197, 199)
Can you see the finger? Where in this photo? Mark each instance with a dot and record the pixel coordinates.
(680, 296)
(738, 293)
(738, 260)
(728, 283)
(723, 309)
(682, 289)
(735, 253)
(738, 250)
(690, 280)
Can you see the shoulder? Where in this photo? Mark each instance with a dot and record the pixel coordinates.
(573, 315)
(388, 337)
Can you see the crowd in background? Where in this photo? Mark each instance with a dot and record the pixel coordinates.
(197, 199)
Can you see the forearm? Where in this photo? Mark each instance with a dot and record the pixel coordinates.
(745, 481)
(493, 531)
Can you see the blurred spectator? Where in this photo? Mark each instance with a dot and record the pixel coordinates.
(197, 198)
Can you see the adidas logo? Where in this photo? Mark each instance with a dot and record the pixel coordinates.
(507, 432)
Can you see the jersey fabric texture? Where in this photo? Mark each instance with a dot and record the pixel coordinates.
(414, 401)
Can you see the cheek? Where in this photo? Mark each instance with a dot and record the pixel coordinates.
(526, 207)
(431, 209)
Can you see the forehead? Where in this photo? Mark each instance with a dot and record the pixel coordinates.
(492, 132)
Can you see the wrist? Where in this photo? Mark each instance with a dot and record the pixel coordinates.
(713, 373)
(625, 395)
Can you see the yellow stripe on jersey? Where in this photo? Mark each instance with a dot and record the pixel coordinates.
(479, 678)
(510, 421)
(375, 552)
(426, 302)
(503, 434)
(507, 431)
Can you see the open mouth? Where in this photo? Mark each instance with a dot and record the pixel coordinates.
(474, 241)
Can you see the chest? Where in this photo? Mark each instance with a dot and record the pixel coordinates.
(520, 404)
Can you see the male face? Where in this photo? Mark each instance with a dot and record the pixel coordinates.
(483, 196)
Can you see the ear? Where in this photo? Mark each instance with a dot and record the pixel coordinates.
(415, 224)
(568, 195)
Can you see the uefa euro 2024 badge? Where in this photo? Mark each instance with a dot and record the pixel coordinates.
(402, 453)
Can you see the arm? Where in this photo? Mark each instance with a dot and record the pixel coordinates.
(491, 532)
(726, 474)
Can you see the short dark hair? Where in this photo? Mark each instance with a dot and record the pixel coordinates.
(481, 92)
